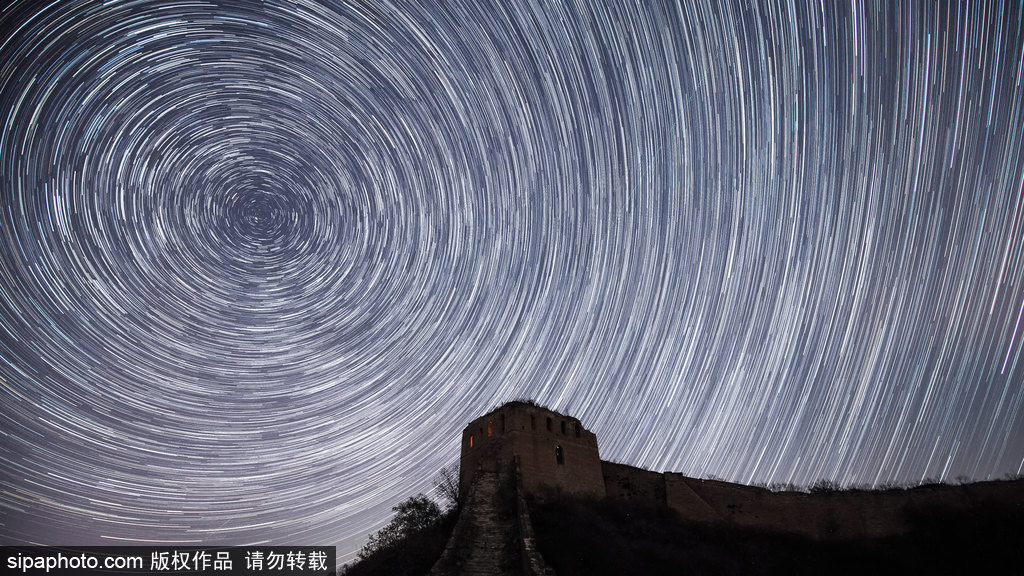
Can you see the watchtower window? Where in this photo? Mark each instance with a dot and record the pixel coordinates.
(577, 429)
(533, 422)
(559, 455)
(470, 440)
(549, 423)
(490, 428)
(563, 426)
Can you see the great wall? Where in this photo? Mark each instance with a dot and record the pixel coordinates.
(521, 452)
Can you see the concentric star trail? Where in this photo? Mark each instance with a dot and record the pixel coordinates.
(260, 262)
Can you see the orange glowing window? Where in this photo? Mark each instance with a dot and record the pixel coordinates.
(490, 428)
(470, 440)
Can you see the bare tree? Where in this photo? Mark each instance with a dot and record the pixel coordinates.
(446, 485)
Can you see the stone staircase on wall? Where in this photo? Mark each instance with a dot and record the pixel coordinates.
(493, 535)
(484, 540)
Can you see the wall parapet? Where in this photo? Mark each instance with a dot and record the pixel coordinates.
(839, 515)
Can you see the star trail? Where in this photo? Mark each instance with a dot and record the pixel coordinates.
(260, 262)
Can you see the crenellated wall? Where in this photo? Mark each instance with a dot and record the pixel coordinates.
(840, 515)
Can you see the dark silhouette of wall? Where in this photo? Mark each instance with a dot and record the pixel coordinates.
(522, 452)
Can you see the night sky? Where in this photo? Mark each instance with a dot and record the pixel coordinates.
(261, 262)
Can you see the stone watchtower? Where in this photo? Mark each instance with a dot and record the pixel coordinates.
(554, 451)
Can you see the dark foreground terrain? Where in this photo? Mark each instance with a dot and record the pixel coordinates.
(594, 538)
(614, 537)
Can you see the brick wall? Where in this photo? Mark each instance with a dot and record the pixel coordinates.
(555, 451)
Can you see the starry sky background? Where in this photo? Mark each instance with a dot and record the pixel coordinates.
(260, 262)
